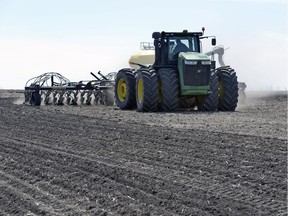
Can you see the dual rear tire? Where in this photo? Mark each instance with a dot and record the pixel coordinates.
(147, 91)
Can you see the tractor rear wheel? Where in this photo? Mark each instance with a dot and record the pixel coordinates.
(146, 90)
(168, 82)
(154, 91)
(210, 102)
(125, 89)
(228, 89)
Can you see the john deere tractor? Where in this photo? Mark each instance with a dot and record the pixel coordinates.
(181, 76)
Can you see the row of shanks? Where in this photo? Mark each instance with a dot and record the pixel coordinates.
(76, 97)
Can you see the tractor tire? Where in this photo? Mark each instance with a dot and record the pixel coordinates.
(125, 90)
(210, 102)
(154, 91)
(169, 89)
(228, 89)
(146, 90)
(35, 99)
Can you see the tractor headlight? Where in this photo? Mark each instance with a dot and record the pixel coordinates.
(206, 62)
(190, 62)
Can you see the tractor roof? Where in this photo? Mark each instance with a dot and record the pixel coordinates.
(185, 33)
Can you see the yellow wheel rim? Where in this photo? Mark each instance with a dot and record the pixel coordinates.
(140, 90)
(122, 89)
(221, 89)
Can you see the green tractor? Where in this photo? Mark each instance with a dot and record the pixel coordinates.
(181, 76)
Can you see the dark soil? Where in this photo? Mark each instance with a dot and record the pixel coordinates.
(97, 160)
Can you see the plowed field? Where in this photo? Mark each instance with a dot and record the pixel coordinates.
(97, 160)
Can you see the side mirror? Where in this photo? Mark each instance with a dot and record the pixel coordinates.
(213, 41)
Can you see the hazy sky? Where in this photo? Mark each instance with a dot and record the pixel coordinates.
(75, 37)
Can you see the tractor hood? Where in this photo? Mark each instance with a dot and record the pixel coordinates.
(193, 56)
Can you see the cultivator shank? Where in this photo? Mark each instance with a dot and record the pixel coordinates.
(54, 89)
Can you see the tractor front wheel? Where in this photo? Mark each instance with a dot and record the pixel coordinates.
(228, 89)
(168, 82)
(210, 102)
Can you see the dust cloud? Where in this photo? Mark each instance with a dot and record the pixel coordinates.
(19, 101)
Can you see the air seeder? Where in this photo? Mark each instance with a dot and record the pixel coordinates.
(53, 88)
(173, 72)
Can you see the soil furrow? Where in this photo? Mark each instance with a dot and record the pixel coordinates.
(228, 194)
(80, 160)
(109, 180)
(183, 166)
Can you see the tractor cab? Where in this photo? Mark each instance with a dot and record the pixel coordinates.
(168, 45)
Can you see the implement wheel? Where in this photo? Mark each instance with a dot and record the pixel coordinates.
(210, 102)
(35, 99)
(169, 89)
(146, 90)
(228, 89)
(125, 89)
